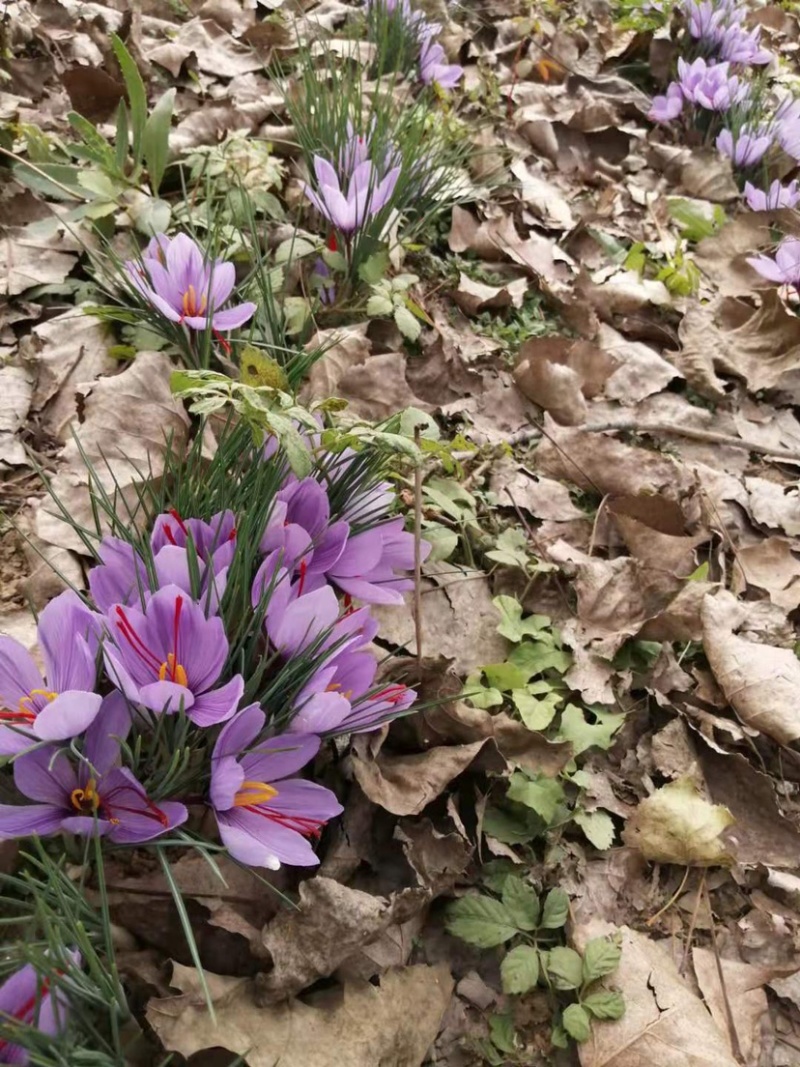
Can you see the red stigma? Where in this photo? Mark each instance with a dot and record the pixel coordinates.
(302, 582)
(332, 243)
(226, 348)
(179, 521)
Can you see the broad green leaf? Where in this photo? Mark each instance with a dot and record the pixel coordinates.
(99, 183)
(541, 794)
(296, 314)
(408, 326)
(137, 95)
(379, 305)
(601, 956)
(443, 544)
(502, 1032)
(540, 655)
(536, 712)
(598, 827)
(480, 921)
(583, 734)
(512, 826)
(480, 695)
(677, 825)
(151, 215)
(293, 444)
(697, 218)
(504, 676)
(511, 549)
(412, 419)
(65, 183)
(374, 268)
(605, 1005)
(559, 1037)
(512, 625)
(294, 248)
(564, 967)
(155, 139)
(576, 1022)
(519, 970)
(521, 902)
(555, 910)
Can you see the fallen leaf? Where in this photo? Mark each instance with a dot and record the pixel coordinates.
(473, 297)
(217, 52)
(542, 497)
(761, 682)
(774, 505)
(395, 1022)
(665, 1024)
(543, 197)
(17, 389)
(744, 997)
(32, 259)
(676, 825)
(769, 565)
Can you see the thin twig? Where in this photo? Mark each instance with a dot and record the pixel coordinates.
(418, 551)
(692, 923)
(671, 900)
(735, 1047)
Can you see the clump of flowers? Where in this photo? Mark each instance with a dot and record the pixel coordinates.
(784, 267)
(405, 40)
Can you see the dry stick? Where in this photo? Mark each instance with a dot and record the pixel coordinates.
(418, 551)
(692, 923)
(735, 1047)
(671, 900)
(666, 428)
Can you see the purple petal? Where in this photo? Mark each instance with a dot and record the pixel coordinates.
(239, 732)
(185, 263)
(41, 819)
(326, 175)
(226, 780)
(258, 842)
(63, 625)
(166, 697)
(320, 713)
(45, 775)
(278, 757)
(223, 279)
(18, 673)
(67, 716)
(85, 825)
(138, 828)
(101, 748)
(217, 705)
(304, 620)
(123, 798)
(233, 318)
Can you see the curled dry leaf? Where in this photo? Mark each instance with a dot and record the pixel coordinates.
(560, 374)
(744, 993)
(17, 390)
(772, 566)
(677, 825)
(332, 923)
(774, 505)
(665, 1024)
(761, 682)
(30, 260)
(395, 1022)
(473, 297)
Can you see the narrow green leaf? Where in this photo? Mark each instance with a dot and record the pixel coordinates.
(480, 921)
(521, 902)
(137, 95)
(555, 910)
(605, 1005)
(155, 139)
(99, 150)
(577, 1022)
(600, 957)
(519, 970)
(121, 137)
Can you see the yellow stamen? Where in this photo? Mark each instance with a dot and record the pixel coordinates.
(251, 793)
(190, 305)
(80, 798)
(172, 671)
(48, 694)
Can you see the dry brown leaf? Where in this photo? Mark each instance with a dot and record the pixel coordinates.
(473, 297)
(744, 996)
(438, 859)
(217, 52)
(28, 260)
(723, 257)
(543, 197)
(761, 682)
(366, 1025)
(127, 421)
(640, 371)
(769, 565)
(653, 531)
(542, 497)
(554, 387)
(675, 824)
(17, 390)
(332, 923)
(665, 1024)
(774, 505)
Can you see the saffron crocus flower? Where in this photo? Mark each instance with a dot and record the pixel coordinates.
(365, 196)
(705, 20)
(169, 656)
(777, 196)
(186, 287)
(95, 797)
(264, 815)
(738, 46)
(668, 107)
(787, 127)
(299, 527)
(784, 268)
(711, 87)
(356, 149)
(367, 569)
(63, 703)
(433, 66)
(746, 148)
(26, 999)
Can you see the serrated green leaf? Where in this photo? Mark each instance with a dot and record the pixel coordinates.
(378, 305)
(598, 827)
(536, 712)
(583, 734)
(155, 139)
(555, 910)
(443, 544)
(512, 827)
(601, 956)
(565, 968)
(605, 1005)
(559, 1037)
(293, 444)
(519, 970)
(521, 902)
(374, 267)
(576, 1022)
(541, 794)
(408, 326)
(480, 921)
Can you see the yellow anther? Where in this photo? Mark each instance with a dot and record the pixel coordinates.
(190, 305)
(170, 671)
(251, 793)
(48, 695)
(86, 799)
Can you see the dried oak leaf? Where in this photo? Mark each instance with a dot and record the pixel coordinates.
(744, 997)
(217, 52)
(665, 1023)
(30, 260)
(560, 374)
(677, 825)
(332, 923)
(474, 297)
(774, 505)
(360, 1025)
(760, 681)
(770, 565)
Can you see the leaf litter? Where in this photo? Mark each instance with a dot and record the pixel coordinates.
(627, 473)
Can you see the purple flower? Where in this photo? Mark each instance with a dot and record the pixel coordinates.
(170, 656)
(367, 567)
(299, 527)
(433, 66)
(186, 287)
(784, 269)
(27, 1000)
(63, 703)
(711, 87)
(736, 45)
(327, 293)
(747, 148)
(96, 797)
(356, 149)
(705, 20)
(787, 127)
(264, 816)
(666, 108)
(122, 577)
(777, 196)
(365, 197)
